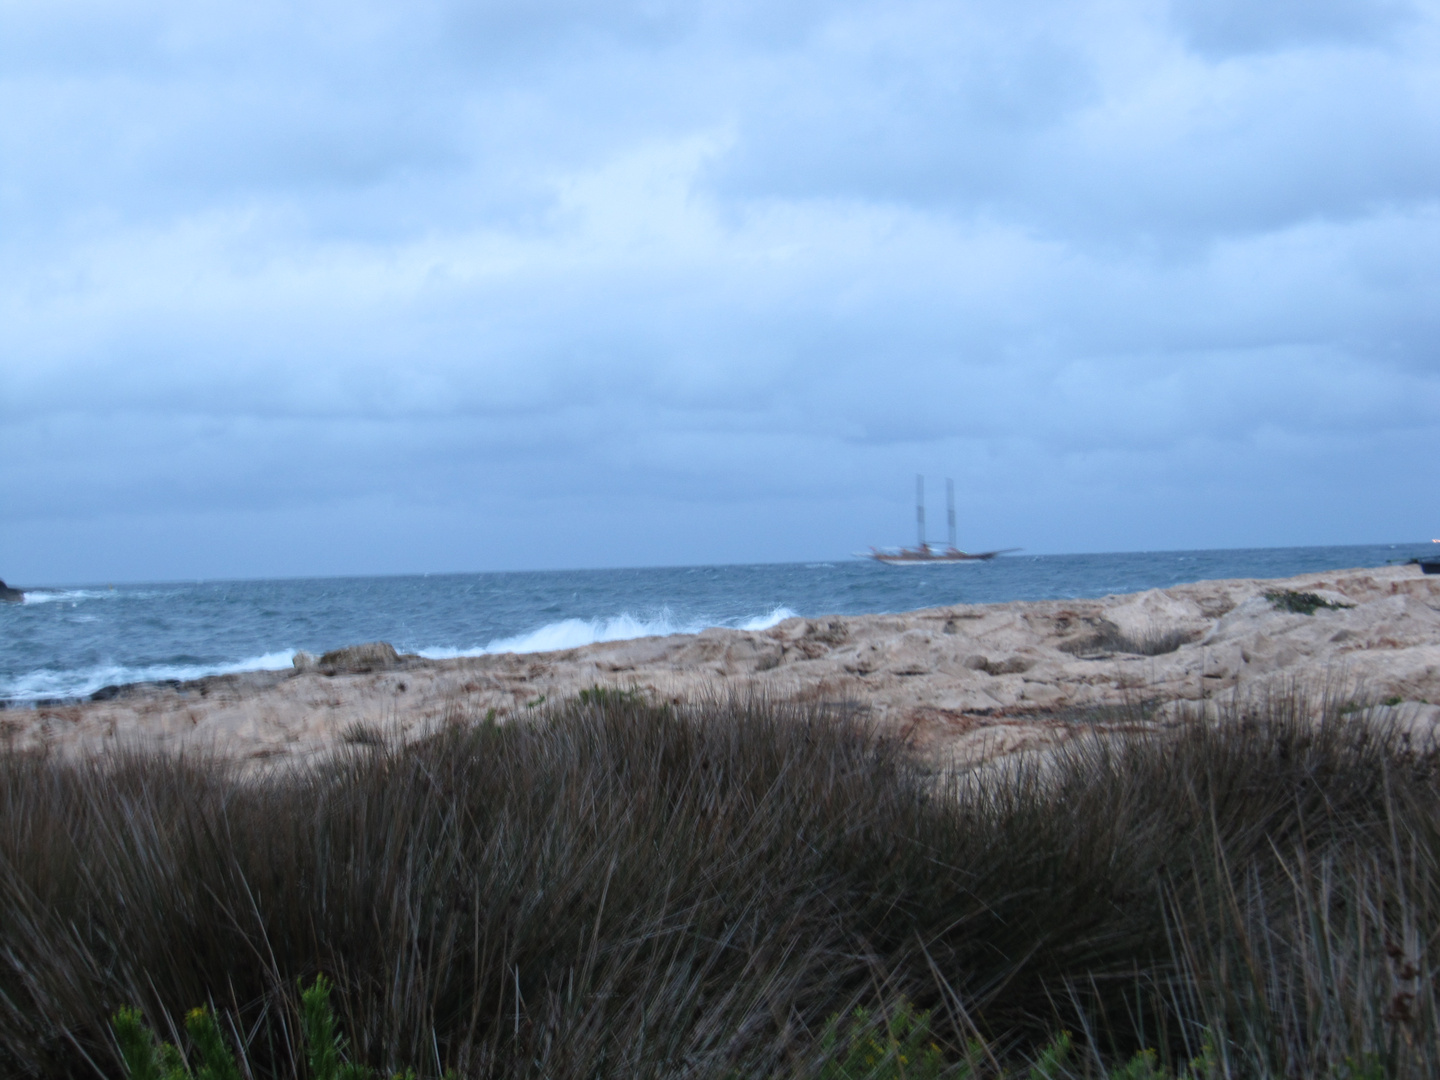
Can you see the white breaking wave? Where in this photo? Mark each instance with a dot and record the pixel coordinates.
(74, 596)
(573, 633)
(765, 622)
(552, 637)
(63, 596)
(40, 685)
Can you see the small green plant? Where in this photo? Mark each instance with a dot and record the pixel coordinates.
(898, 1047)
(141, 1058)
(887, 1048)
(608, 695)
(216, 1060)
(1366, 1067)
(145, 1059)
(1052, 1059)
(1302, 603)
(1143, 1066)
(324, 1046)
(1146, 1065)
(1394, 699)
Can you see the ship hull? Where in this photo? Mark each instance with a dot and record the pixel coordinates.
(933, 560)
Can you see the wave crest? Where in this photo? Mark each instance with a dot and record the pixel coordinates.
(45, 685)
(63, 596)
(576, 633)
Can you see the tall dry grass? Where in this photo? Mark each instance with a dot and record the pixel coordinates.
(614, 889)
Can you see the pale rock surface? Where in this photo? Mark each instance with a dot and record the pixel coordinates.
(971, 681)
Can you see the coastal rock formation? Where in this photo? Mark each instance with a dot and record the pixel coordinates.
(971, 681)
(9, 595)
(361, 659)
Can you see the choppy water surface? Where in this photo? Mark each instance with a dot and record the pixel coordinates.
(69, 642)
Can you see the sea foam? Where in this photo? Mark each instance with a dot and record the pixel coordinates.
(574, 633)
(65, 596)
(45, 685)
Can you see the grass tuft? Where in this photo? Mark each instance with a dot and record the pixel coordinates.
(1302, 603)
(1109, 638)
(617, 889)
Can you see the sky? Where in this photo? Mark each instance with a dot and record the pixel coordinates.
(312, 287)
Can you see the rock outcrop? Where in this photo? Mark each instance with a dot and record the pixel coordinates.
(9, 595)
(361, 659)
(971, 680)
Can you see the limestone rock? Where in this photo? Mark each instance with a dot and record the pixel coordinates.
(970, 680)
(360, 659)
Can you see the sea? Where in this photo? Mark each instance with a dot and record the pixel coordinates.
(66, 642)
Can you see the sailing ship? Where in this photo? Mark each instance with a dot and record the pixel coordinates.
(925, 553)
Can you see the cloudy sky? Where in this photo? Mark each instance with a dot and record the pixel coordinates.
(324, 287)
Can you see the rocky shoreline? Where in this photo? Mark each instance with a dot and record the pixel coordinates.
(973, 681)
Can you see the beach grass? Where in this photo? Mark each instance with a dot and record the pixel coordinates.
(610, 888)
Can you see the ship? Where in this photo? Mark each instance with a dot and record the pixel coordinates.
(925, 553)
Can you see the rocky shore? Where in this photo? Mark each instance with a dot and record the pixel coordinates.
(972, 681)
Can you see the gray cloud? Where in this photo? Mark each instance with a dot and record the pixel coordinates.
(1228, 27)
(1137, 278)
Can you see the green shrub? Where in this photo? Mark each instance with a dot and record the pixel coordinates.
(897, 1045)
(324, 1046)
(143, 1059)
(1302, 603)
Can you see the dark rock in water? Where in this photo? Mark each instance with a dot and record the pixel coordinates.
(357, 659)
(14, 596)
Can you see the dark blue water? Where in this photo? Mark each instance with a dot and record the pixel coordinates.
(69, 642)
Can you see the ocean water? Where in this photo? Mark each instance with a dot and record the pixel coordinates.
(69, 642)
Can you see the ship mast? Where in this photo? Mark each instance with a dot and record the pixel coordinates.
(950, 509)
(920, 507)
